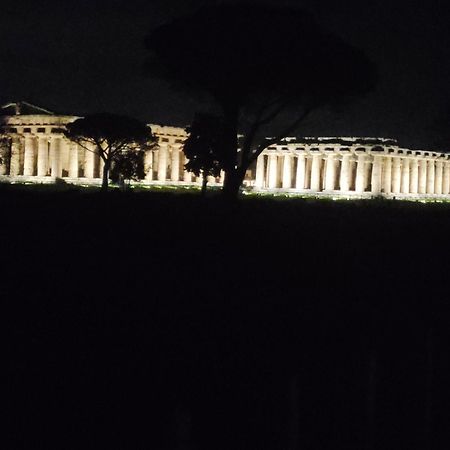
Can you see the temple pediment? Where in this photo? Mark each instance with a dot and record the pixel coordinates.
(23, 109)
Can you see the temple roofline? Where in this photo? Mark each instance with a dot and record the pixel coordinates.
(20, 108)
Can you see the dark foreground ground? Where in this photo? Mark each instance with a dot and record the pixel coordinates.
(163, 321)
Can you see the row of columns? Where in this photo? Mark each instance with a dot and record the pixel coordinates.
(52, 156)
(58, 157)
(315, 171)
(358, 171)
(166, 163)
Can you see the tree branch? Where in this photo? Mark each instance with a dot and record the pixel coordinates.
(273, 114)
(276, 140)
(117, 148)
(80, 141)
(256, 125)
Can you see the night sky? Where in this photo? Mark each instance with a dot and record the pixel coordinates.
(79, 57)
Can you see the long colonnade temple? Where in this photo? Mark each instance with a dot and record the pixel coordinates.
(33, 148)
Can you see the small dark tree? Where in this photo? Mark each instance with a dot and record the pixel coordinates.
(266, 67)
(128, 165)
(108, 135)
(204, 147)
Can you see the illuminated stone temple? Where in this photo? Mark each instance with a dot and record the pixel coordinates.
(34, 149)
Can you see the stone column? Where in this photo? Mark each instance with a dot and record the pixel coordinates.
(387, 177)
(187, 176)
(222, 177)
(42, 161)
(55, 157)
(175, 164)
(446, 179)
(315, 172)
(375, 182)
(101, 165)
(438, 178)
(330, 173)
(182, 162)
(430, 177)
(97, 159)
(162, 163)
(396, 175)
(287, 171)
(65, 156)
(259, 179)
(273, 171)
(89, 162)
(3, 168)
(14, 165)
(73, 160)
(368, 174)
(405, 176)
(344, 178)
(148, 165)
(414, 177)
(28, 161)
(300, 175)
(360, 182)
(422, 176)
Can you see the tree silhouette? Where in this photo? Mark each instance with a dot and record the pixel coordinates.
(128, 165)
(204, 147)
(108, 136)
(266, 67)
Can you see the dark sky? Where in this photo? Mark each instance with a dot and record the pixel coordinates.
(84, 56)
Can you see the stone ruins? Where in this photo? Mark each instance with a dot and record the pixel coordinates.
(33, 148)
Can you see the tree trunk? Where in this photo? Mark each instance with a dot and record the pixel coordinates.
(204, 183)
(105, 176)
(233, 176)
(232, 183)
